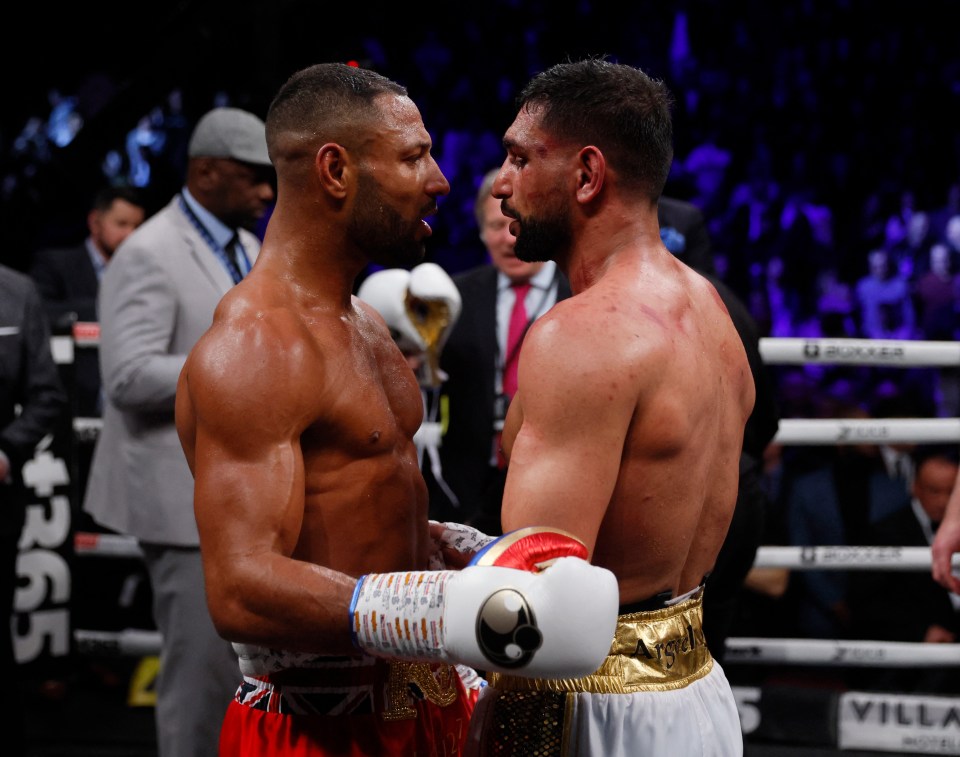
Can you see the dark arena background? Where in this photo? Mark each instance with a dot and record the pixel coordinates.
(817, 138)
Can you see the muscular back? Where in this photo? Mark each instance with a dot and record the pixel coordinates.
(633, 399)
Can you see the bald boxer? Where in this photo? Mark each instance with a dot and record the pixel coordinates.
(297, 413)
(627, 426)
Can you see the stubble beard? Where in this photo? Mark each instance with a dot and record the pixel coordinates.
(381, 232)
(543, 239)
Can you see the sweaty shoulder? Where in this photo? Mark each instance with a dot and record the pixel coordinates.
(258, 362)
(605, 328)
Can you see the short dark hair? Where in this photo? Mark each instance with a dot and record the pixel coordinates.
(325, 99)
(616, 107)
(104, 199)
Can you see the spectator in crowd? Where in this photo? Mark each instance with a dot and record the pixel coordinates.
(834, 503)
(68, 279)
(935, 294)
(884, 302)
(31, 400)
(157, 297)
(929, 613)
(910, 253)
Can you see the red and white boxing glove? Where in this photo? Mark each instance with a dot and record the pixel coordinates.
(548, 614)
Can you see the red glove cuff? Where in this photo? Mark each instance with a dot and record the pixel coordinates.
(530, 549)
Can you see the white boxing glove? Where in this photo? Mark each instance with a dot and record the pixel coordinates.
(420, 306)
(554, 622)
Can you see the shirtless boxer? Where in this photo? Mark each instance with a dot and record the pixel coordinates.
(627, 426)
(297, 412)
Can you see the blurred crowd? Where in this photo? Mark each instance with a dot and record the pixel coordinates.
(812, 135)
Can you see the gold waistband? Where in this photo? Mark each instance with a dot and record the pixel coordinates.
(656, 650)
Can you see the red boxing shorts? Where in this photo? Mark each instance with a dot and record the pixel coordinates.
(385, 708)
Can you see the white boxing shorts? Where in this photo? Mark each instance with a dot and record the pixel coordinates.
(659, 692)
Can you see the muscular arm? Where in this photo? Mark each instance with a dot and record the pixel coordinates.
(245, 397)
(575, 405)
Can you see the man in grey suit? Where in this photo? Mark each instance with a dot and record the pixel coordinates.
(156, 298)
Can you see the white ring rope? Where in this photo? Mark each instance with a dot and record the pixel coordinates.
(835, 652)
(106, 545)
(885, 352)
(831, 431)
(131, 642)
(847, 558)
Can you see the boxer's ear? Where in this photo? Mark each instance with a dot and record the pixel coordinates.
(333, 169)
(591, 173)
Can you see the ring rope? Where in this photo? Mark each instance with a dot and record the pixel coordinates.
(843, 557)
(106, 545)
(130, 642)
(840, 653)
(831, 431)
(880, 352)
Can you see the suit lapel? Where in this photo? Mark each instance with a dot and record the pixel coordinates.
(200, 254)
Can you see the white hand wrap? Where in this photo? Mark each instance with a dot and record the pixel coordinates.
(461, 538)
(556, 623)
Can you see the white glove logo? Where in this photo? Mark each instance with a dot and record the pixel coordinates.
(507, 632)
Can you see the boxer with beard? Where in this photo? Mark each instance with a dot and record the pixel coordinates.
(627, 425)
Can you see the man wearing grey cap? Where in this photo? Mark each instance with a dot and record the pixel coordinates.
(156, 298)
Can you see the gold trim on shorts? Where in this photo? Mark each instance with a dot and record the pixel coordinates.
(374, 686)
(655, 650)
(437, 683)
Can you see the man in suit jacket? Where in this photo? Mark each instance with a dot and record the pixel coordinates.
(29, 381)
(68, 280)
(836, 502)
(924, 610)
(156, 299)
